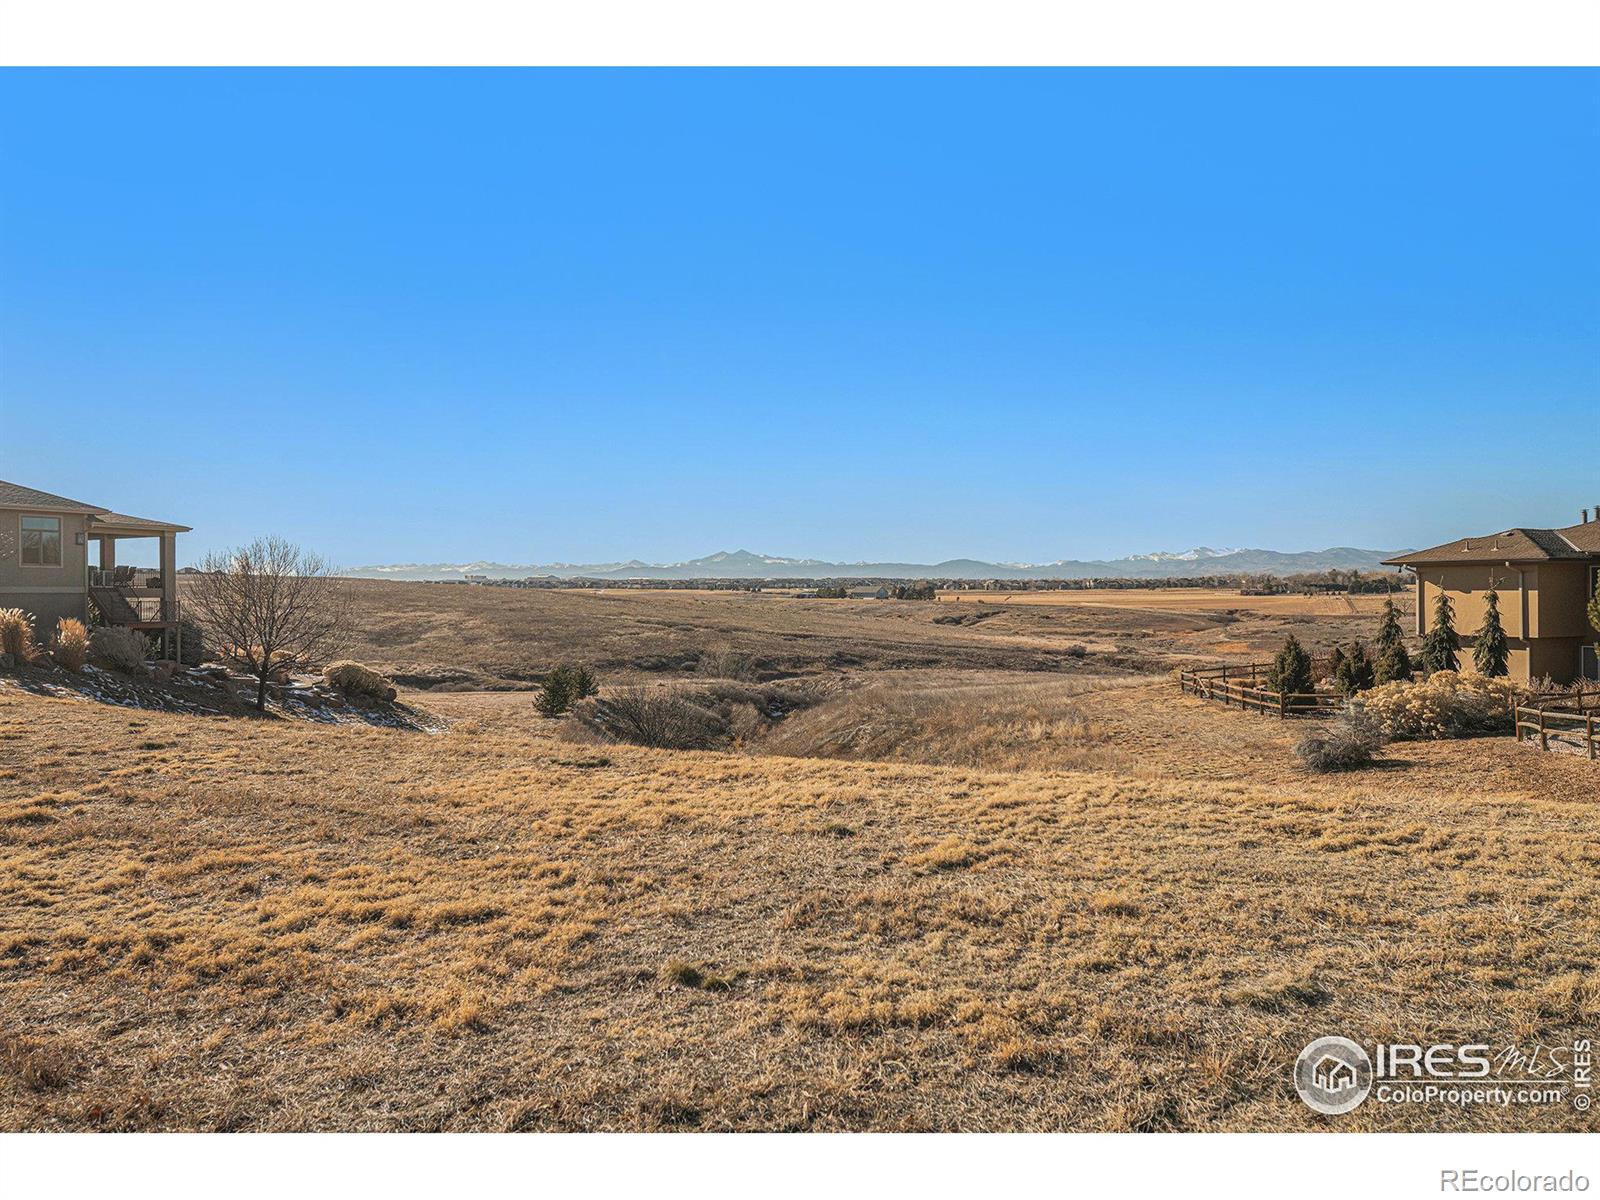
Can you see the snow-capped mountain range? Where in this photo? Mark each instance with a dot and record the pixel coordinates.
(742, 564)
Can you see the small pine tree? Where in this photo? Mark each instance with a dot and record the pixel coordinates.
(1594, 605)
(1490, 653)
(555, 693)
(1394, 661)
(563, 687)
(1291, 669)
(1335, 661)
(1393, 665)
(1355, 672)
(1440, 646)
(1389, 631)
(584, 684)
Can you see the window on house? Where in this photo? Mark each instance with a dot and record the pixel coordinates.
(41, 541)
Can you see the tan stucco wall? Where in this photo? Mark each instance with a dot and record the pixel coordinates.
(46, 592)
(1543, 608)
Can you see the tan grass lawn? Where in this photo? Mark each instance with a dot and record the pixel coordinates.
(236, 924)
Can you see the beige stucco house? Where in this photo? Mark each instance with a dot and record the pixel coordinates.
(1545, 578)
(45, 571)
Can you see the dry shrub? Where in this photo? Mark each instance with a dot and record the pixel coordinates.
(1446, 705)
(117, 648)
(662, 719)
(716, 715)
(72, 644)
(240, 659)
(1348, 744)
(724, 663)
(357, 679)
(16, 634)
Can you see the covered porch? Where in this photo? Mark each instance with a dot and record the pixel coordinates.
(139, 598)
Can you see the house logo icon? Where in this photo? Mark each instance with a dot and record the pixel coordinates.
(1333, 1075)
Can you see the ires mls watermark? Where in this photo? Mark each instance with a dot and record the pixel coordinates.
(1335, 1075)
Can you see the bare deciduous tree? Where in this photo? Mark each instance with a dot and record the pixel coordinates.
(274, 606)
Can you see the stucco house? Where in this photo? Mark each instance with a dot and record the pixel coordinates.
(45, 565)
(1545, 578)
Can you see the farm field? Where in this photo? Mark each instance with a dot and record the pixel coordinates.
(980, 881)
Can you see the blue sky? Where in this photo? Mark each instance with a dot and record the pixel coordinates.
(1020, 315)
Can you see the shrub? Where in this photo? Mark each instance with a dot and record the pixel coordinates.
(356, 679)
(1348, 744)
(1354, 673)
(724, 663)
(1440, 646)
(1445, 705)
(72, 644)
(193, 648)
(661, 719)
(16, 634)
(246, 660)
(118, 648)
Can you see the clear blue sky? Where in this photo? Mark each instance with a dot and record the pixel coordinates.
(571, 315)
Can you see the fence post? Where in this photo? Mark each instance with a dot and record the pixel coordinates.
(1589, 725)
(1544, 736)
(1283, 705)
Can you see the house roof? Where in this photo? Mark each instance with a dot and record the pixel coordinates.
(117, 522)
(1510, 545)
(14, 495)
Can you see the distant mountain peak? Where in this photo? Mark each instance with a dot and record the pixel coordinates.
(745, 564)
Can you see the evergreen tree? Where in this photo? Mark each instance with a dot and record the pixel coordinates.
(1491, 652)
(1335, 661)
(1594, 605)
(1440, 646)
(1355, 672)
(1389, 631)
(1393, 664)
(1394, 661)
(1291, 669)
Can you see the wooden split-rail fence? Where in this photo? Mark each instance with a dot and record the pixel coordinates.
(1564, 716)
(1244, 686)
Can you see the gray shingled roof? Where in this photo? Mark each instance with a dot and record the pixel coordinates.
(1511, 545)
(122, 519)
(14, 495)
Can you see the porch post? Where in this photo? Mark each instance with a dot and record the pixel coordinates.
(169, 585)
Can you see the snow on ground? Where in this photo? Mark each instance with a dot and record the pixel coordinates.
(213, 692)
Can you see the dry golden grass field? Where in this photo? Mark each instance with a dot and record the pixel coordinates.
(981, 884)
(456, 635)
(1181, 600)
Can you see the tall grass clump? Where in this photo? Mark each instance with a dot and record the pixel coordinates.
(1347, 744)
(357, 679)
(16, 634)
(72, 644)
